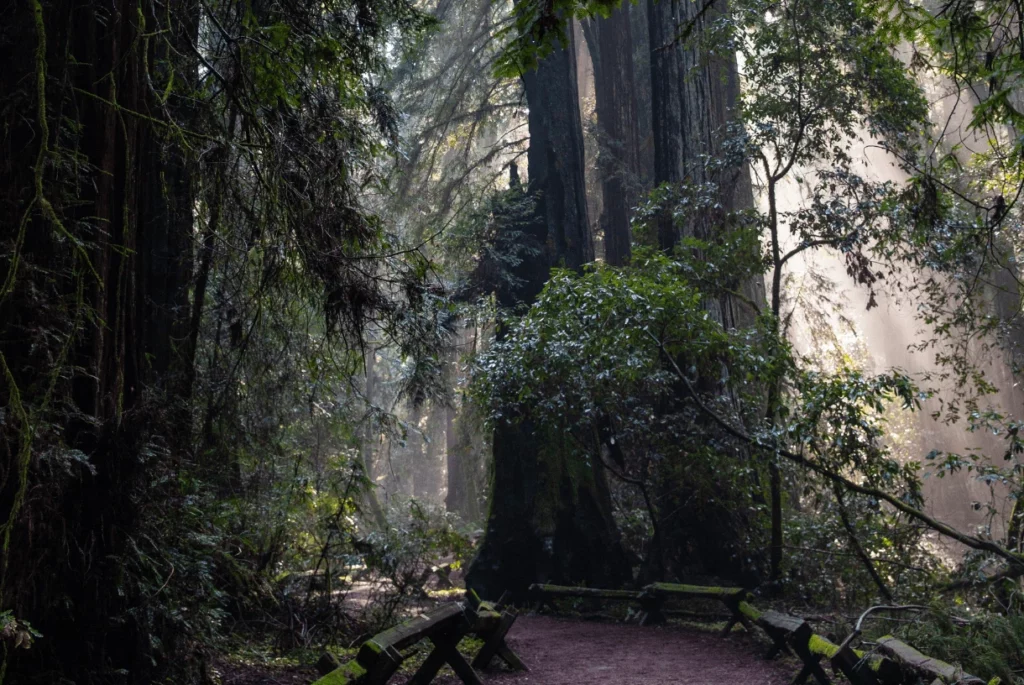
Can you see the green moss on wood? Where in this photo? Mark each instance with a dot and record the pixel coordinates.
(748, 610)
(351, 672)
(822, 646)
(695, 590)
(597, 593)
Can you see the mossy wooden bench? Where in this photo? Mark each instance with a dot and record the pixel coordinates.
(491, 623)
(543, 594)
(380, 656)
(928, 669)
(793, 635)
(655, 595)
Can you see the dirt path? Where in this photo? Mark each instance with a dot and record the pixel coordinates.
(568, 652)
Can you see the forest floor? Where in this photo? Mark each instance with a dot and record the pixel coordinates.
(562, 651)
(567, 651)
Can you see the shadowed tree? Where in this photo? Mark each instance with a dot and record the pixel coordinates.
(550, 516)
(610, 41)
(694, 91)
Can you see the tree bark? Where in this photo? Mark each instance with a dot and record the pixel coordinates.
(550, 517)
(117, 263)
(611, 48)
(693, 93)
(464, 453)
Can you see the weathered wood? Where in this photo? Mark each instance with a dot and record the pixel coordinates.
(779, 627)
(884, 670)
(416, 628)
(856, 669)
(373, 667)
(327, 663)
(924, 666)
(379, 658)
(584, 592)
(492, 625)
(511, 658)
(445, 651)
(494, 640)
(657, 593)
(698, 591)
(811, 649)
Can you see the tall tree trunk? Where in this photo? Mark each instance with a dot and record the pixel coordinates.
(642, 86)
(611, 49)
(463, 497)
(117, 259)
(368, 439)
(550, 515)
(433, 474)
(463, 453)
(692, 96)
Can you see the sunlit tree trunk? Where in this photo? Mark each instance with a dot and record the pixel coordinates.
(463, 451)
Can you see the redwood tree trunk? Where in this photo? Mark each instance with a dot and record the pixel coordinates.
(611, 48)
(692, 98)
(550, 514)
(112, 267)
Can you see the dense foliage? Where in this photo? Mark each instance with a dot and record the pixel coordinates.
(269, 282)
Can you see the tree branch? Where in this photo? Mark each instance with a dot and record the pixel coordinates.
(944, 529)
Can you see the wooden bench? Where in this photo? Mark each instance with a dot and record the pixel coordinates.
(380, 656)
(491, 623)
(546, 594)
(928, 669)
(793, 635)
(655, 595)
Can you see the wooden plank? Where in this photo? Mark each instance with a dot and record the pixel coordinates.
(923, 665)
(781, 623)
(805, 645)
(748, 610)
(700, 591)
(584, 592)
(416, 628)
(511, 658)
(371, 667)
(348, 674)
(884, 670)
(492, 625)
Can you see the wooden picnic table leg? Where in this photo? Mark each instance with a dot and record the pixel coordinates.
(445, 651)
(495, 641)
(728, 627)
(855, 669)
(429, 668)
(460, 665)
(510, 658)
(381, 668)
(811, 668)
(778, 647)
(737, 617)
(651, 613)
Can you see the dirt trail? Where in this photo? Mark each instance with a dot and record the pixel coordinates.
(573, 652)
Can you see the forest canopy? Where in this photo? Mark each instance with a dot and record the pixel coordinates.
(313, 314)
